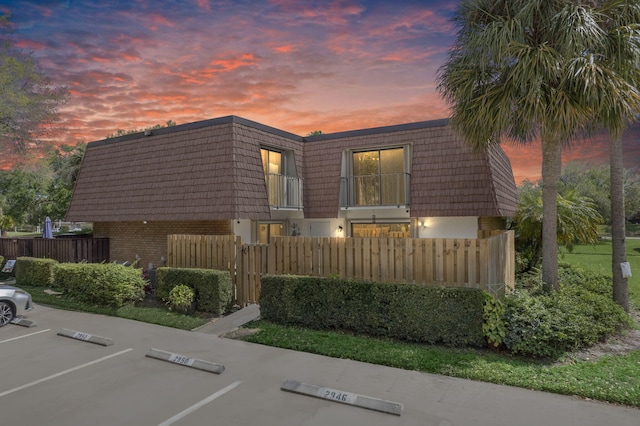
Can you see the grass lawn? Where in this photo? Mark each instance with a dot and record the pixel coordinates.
(614, 379)
(153, 315)
(22, 234)
(598, 259)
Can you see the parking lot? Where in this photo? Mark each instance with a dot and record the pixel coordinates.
(47, 378)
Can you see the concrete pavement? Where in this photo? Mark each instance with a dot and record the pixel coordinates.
(443, 401)
(98, 379)
(231, 322)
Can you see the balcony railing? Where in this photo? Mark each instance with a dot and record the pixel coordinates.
(390, 189)
(285, 192)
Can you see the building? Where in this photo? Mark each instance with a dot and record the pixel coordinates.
(230, 175)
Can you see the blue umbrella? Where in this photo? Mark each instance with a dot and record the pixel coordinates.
(47, 231)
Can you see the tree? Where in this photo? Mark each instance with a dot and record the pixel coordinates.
(612, 89)
(577, 220)
(28, 99)
(510, 74)
(64, 163)
(24, 195)
(122, 132)
(624, 55)
(6, 223)
(30, 192)
(594, 182)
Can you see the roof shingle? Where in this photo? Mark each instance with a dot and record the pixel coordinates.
(213, 170)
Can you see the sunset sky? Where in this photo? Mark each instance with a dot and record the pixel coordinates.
(295, 65)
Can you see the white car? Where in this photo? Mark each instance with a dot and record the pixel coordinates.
(13, 302)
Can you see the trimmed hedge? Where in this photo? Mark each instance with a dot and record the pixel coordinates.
(580, 314)
(34, 272)
(213, 288)
(102, 284)
(416, 313)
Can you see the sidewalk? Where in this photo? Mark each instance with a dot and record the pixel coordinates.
(231, 321)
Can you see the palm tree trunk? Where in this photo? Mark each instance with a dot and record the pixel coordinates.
(551, 169)
(616, 166)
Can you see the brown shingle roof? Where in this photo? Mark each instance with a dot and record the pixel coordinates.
(198, 171)
(447, 177)
(212, 170)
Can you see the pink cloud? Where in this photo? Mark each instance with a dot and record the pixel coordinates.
(154, 20)
(30, 45)
(203, 4)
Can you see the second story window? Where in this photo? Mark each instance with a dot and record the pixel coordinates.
(284, 188)
(378, 178)
(271, 162)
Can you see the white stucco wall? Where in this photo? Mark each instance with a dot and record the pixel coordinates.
(448, 227)
(321, 227)
(242, 227)
(434, 227)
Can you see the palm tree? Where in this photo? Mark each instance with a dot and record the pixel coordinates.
(509, 75)
(578, 221)
(619, 103)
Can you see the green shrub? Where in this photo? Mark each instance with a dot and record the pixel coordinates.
(181, 298)
(417, 313)
(581, 313)
(213, 289)
(493, 326)
(100, 284)
(35, 272)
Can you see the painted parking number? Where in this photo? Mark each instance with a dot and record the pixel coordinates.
(183, 360)
(81, 336)
(336, 395)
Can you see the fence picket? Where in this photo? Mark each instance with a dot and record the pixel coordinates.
(451, 262)
(91, 250)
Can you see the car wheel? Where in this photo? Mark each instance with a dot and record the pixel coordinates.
(6, 313)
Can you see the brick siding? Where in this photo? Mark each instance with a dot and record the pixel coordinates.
(149, 240)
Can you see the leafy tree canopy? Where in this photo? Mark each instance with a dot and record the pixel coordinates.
(122, 132)
(31, 191)
(29, 100)
(594, 182)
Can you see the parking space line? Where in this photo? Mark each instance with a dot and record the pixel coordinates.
(26, 335)
(62, 373)
(200, 404)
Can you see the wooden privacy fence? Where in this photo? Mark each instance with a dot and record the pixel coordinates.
(487, 263)
(91, 250)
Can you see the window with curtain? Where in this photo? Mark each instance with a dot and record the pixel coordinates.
(379, 177)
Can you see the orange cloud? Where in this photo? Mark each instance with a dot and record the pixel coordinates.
(229, 64)
(284, 49)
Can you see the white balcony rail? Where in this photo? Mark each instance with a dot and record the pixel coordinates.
(284, 191)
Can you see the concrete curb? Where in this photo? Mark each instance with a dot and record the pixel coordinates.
(198, 364)
(23, 322)
(343, 397)
(86, 337)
